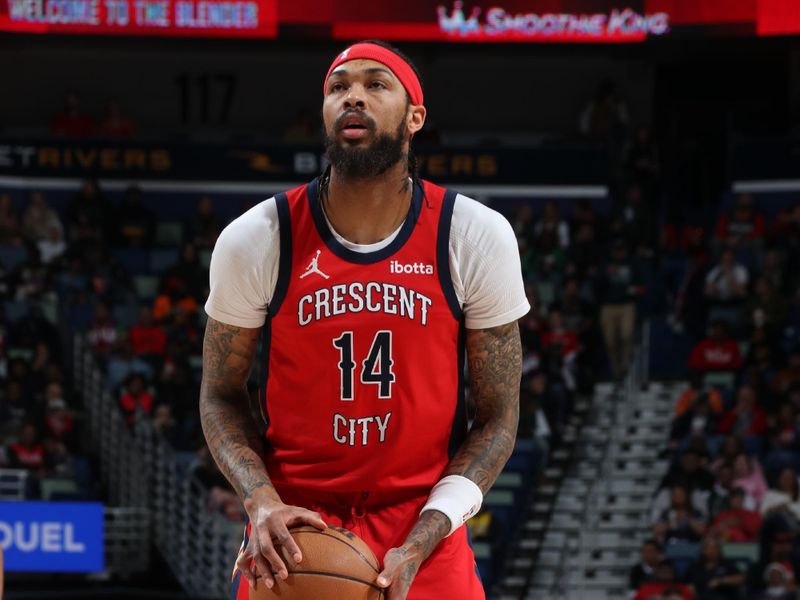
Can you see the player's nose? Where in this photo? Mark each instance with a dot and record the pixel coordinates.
(355, 97)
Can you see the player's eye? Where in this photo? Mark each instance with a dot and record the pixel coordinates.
(336, 87)
(377, 85)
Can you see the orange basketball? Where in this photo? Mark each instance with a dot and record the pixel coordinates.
(336, 565)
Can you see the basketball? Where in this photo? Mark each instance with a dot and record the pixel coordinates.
(336, 565)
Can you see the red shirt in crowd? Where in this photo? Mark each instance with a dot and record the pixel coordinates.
(655, 591)
(715, 355)
(75, 126)
(737, 525)
(27, 458)
(756, 426)
(562, 337)
(129, 401)
(147, 339)
(751, 229)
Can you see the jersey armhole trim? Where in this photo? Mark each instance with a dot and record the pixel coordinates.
(285, 260)
(443, 254)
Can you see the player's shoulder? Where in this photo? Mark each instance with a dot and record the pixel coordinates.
(474, 220)
(252, 229)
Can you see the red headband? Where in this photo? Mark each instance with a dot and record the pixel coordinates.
(401, 69)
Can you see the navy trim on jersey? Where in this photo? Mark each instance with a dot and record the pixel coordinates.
(235, 585)
(285, 260)
(263, 376)
(458, 431)
(362, 258)
(443, 253)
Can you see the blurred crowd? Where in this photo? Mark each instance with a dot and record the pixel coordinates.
(726, 519)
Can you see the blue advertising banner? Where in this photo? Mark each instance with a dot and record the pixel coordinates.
(52, 537)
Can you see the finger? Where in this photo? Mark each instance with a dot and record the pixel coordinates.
(243, 565)
(303, 515)
(285, 540)
(274, 559)
(261, 567)
(385, 577)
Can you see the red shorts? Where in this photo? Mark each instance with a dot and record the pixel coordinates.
(449, 572)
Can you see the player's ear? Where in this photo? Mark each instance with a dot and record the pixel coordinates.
(415, 118)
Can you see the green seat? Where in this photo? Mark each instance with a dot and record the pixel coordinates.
(508, 480)
(720, 379)
(482, 550)
(545, 293)
(741, 551)
(204, 257)
(51, 486)
(169, 233)
(146, 286)
(499, 498)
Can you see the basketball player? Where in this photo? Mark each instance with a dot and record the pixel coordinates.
(368, 287)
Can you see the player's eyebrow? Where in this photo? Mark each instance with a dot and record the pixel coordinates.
(369, 71)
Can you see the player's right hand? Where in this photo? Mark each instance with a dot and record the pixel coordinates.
(270, 520)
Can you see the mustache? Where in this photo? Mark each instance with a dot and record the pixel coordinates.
(365, 120)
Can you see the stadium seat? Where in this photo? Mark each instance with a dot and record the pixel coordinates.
(125, 315)
(12, 256)
(146, 287)
(205, 258)
(134, 261)
(14, 311)
(720, 379)
(169, 233)
(162, 259)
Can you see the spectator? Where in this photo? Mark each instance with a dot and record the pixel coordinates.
(642, 163)
(135, 395)
(124, 364)
(619, 287)
(135, 223)
(551, 222)
(103, 334)
(689, 472)
(713, 577)
(71, 123)
(782, 431)
(39, 218)
(27, 452)
(59, 462)
(605, 117)
(681, 522)
(635, 222)
(59, 421)
(716, 352)
(166, 425)
(784, 498)
(736, 523)
(765, 308)
(780, 583)
(789, 376)
(698, 421)
(663, 586)
(688, 398)
(748, 475)
(10, 232)
(52, 246)
(174, 300)
(89, 214)
(746, 418)
(726, 283)
(221, 496)
(115, 125)
(205, 226)
(189, 272)
(651, 555)
(742, 224)
(147, 338)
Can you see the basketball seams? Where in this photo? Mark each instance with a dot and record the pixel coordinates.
(339, 576)
(338, 539)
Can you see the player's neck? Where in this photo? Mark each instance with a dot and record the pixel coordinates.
(366, 211)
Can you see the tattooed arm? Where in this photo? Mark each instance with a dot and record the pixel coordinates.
(495, 368)
(236, 445)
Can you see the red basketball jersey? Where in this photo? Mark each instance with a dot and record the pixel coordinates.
(363, 353)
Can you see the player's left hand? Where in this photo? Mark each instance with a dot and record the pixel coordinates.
(400, 566)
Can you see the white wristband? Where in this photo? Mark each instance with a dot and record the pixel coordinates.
(458, 497)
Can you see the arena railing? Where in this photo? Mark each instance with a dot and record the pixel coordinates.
(141, 470)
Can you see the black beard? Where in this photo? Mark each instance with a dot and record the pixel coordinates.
(364, 163)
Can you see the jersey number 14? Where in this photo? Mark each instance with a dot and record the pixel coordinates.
(376, 368)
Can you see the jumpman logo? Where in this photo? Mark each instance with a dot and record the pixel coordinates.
(313, 267)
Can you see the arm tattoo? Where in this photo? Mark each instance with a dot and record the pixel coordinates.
(229, 429)
(431, 527)
(495, 367)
